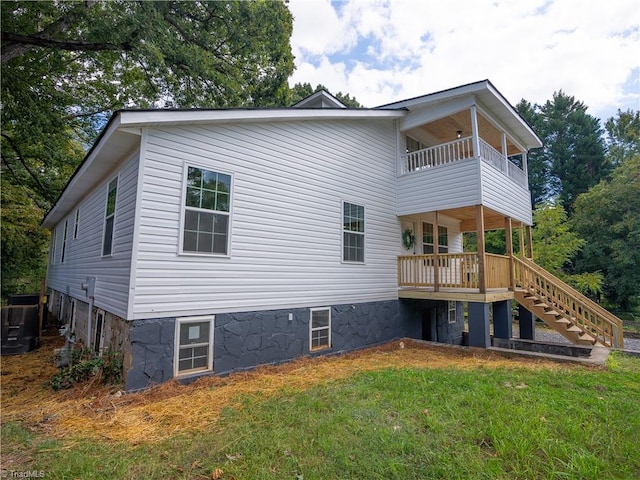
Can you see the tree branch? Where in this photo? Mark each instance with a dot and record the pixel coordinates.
(43, 190)
(48, 42)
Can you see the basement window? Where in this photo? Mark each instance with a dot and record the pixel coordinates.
(320, 331)
(194, 345)
(452, 311)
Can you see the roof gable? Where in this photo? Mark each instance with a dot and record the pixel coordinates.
(320, 99)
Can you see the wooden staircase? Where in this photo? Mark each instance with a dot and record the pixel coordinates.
(564, 309)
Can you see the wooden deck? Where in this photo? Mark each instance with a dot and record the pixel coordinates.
(457, 294)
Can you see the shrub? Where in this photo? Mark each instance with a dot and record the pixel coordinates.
(84, 364)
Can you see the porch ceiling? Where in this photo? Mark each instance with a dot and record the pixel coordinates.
(445, 130)
(467, 216)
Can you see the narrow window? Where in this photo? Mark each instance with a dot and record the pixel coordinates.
(206, 212)
(52, 250)
(109, 218)
(99, 338)
(76, 223)
(427, 238)
(320, 331)
(452, 311)
(194, 345)
(353, 233)
(64, 241)
(443, 240)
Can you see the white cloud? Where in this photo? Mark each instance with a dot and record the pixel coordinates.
(384, 50)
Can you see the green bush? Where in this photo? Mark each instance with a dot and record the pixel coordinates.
(84, 364)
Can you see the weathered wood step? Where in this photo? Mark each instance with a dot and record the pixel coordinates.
(574, 328)
(563, 321)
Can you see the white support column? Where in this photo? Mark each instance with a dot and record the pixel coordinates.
(525, 168)
(504, 152)
(475, 135)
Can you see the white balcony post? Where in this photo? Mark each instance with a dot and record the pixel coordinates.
(525, 168)
(475, 136)
(504, 153)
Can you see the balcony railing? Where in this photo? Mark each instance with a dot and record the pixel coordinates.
(457, 150)
(454, 271)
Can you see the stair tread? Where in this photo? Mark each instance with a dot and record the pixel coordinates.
(574, 328)
(563, 321)
(552, 312)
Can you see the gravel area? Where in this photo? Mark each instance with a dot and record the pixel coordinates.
(546, 335)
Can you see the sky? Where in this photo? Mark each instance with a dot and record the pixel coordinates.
(380, 51)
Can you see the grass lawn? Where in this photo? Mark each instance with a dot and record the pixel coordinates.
(413, 413)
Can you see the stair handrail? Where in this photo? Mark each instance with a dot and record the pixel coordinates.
(604, 315)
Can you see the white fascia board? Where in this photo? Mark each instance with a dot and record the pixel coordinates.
(431, 113)
(169, 117)
(100, 159)
(429, 99)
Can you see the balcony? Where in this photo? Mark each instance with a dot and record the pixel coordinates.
(458, 150)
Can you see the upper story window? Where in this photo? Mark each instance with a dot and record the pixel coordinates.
(206, 212)
(76, 223)
(109, 217)
(428, 239)
(353, 233)
(64, 241)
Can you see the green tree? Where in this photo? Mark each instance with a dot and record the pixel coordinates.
(555, 245)
(537, 163)
(66, 66)
(573, 156)
(623, 136)
(608, 218)
(300, 91)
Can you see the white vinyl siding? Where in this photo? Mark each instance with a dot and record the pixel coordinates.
(286, 248)
(503, 195)
(439, 188)
(83, 258)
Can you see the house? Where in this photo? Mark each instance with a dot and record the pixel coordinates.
(199, 241)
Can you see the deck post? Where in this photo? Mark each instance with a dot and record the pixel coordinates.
(436, 261)
(529, 242)
(521, 241)
(479, 335)
(509, 240)
(475, 132)
(527, 324)
(502, 320)
(504, 153)
(482, 281)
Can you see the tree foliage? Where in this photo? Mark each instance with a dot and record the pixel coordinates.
(573, 156)
(300, 91)
(608, 218)
(623, 136)
(66, 66)
(555, 245)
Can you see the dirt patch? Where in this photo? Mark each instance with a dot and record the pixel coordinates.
(91, 411)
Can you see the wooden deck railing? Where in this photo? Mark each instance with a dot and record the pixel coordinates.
(455, 270)
(457, 150)
(582, 311)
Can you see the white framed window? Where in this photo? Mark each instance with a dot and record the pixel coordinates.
(64, 241)
(428, 239)
(52, 250)
(207, 209)
(352, 233)
(193, 345)
(320, 329)
(109, 218)
(76, 223)
(452, 311)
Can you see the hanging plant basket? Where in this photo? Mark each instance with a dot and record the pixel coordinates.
(408, 239)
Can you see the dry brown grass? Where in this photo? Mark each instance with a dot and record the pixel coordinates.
(91, 411)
